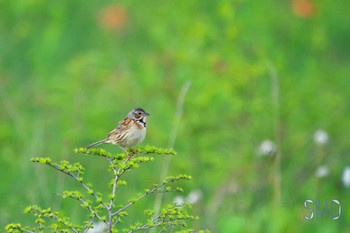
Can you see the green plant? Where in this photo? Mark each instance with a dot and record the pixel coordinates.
(102, 206)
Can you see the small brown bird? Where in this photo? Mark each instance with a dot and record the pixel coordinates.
(129, 132)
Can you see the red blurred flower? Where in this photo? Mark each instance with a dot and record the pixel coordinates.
(303, 8)
(112, 17)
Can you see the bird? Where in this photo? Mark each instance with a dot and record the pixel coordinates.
(129, 132)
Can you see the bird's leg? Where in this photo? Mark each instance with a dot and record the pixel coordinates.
(128, 152)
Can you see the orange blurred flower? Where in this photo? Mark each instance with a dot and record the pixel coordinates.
(112, 17)
(303, 8)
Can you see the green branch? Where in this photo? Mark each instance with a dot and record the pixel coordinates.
(106, 212)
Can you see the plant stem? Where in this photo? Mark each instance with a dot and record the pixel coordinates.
(277, 131)
(172, 139)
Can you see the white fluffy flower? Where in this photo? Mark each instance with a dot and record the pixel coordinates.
(346, 177)
(322, 171)
(179, 200)
(267, 148)
(321, 137)
(98, 227)
(194, 196)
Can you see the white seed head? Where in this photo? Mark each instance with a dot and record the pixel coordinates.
(267, 148)
(346, 177)
(322, 171)
(98, 227)
(194, 196)
(321, 137)
(179, 200)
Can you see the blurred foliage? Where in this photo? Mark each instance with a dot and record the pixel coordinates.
(70, 70)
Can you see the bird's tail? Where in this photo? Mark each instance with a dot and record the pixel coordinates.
(96, 143)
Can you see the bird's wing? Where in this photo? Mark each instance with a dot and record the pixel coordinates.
(122, 127)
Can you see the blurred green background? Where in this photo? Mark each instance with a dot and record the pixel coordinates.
(269, 100)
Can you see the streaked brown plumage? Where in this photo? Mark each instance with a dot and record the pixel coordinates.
(129, 132)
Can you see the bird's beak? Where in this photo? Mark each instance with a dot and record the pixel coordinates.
(146, 114)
